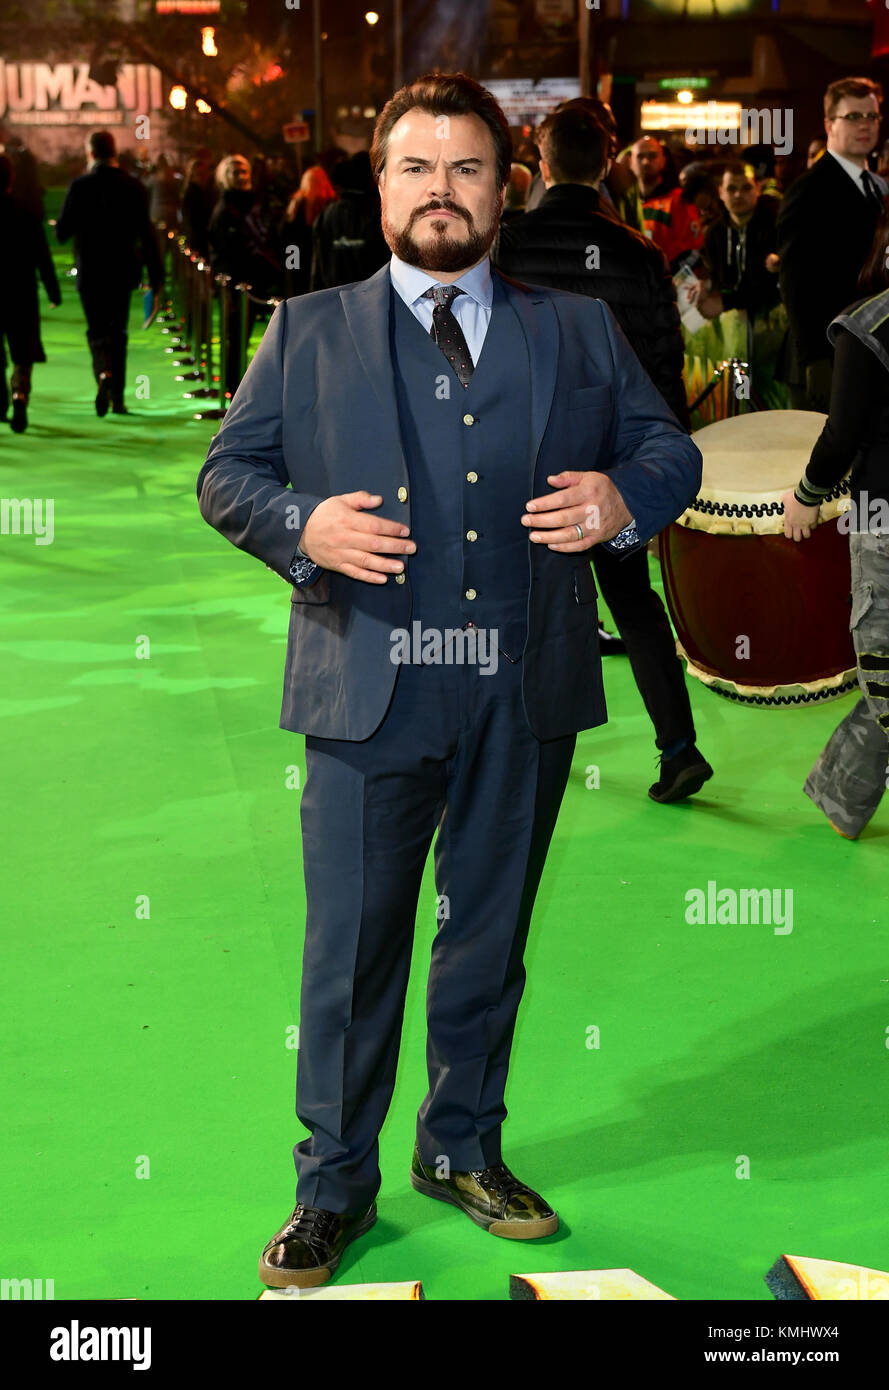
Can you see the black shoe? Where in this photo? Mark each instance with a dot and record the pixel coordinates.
(610, 644)
(118, 408)
(308, 1248)
(491, 1197)
(103, 398)
(19, 421)
(681, 776)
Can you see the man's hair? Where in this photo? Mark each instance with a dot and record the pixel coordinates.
(850, 87)
(102, 145)
(574, 144)
(444, 94)
(738, 168)
(599, 110)
(5, 173)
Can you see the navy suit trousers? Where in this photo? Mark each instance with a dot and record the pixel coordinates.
(455, 753)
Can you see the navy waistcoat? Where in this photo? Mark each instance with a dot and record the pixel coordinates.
(467, 453)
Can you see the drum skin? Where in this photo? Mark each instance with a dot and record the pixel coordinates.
(790, 599)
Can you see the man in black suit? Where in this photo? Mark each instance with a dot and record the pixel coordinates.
(574, 241)
(106, 212)
(826, 225)
(24, 254)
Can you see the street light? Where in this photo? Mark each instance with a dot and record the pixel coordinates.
(178, 98)
(372, 17)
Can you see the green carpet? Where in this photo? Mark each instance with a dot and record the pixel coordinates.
(150, 1085)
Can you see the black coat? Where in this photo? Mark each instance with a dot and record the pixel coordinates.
(347, 235)
(736, 259)
(24, 254)
(241, 244)
(195, 212)
(295, 234)
(825, 232)
(106, 212)
(550, 246)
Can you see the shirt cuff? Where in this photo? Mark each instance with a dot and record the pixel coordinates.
(810, 494)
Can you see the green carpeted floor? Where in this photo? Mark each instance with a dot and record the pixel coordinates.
(154, 915)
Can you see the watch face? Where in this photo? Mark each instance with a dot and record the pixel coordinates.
(625, 538)
(301, 570)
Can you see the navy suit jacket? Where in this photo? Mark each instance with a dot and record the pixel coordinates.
(316, 416)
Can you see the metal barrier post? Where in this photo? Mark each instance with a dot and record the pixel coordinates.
(222, 282)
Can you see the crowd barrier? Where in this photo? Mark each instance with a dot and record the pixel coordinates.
(207, 319)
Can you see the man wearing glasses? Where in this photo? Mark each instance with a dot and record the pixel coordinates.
(825, 229)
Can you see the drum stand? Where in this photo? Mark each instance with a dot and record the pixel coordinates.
(739, 370)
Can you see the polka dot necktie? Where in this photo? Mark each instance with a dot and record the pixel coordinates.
(447, 332)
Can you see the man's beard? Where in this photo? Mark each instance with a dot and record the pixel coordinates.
(443, 252)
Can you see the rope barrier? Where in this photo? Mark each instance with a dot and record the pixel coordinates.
(202, 309)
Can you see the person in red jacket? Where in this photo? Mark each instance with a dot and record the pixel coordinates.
(677, 221)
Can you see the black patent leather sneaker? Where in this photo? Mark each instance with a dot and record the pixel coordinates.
(491, 1197)
(103, 395)
(610, 644)
(681, 776)
(308, 1248)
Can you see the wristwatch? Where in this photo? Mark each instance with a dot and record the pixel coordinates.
(303, 571)
(625, 539)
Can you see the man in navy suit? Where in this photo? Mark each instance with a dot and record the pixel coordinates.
(428, 457)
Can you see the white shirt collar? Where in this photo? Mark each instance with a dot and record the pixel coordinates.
(412, 283)
(853, 170)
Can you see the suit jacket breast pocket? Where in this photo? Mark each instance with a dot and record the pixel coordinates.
(590, 398)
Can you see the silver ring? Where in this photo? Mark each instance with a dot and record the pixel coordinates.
(579, 529)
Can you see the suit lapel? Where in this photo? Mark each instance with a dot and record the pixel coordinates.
(539, 324)
(366, 307)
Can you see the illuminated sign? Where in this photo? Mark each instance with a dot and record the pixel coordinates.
(721, 116)
(684, 82)
(187, 6)
(43, 94)
(524, 101)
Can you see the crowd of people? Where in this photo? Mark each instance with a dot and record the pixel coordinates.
(752, 233)
(580, 213)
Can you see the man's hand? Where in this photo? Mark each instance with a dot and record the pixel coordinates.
(798, 519)
(707, 301)
(339, 536)
(589, 500)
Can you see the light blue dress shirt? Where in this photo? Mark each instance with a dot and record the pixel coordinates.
(472, 310)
